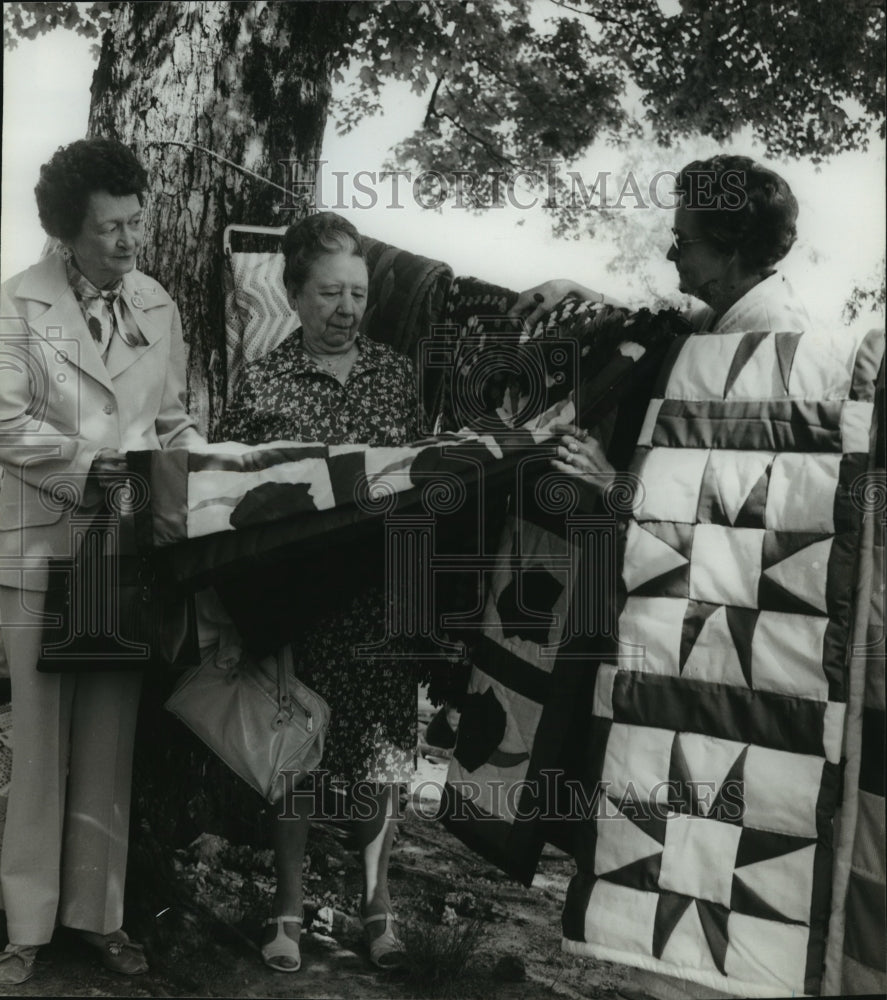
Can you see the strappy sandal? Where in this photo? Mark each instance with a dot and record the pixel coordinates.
(386, 950)
(17, 964)
(117, 952)
(282, 952)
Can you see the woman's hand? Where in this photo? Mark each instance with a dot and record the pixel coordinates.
(580, 454)
(107, 466)
(538, 301)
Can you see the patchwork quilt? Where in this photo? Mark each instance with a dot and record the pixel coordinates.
(718, 727)
(711, 727)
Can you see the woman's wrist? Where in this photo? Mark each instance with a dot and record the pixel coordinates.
(583, 292)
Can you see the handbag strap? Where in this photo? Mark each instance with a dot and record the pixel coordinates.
(284, 699)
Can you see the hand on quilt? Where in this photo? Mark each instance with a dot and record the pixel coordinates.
(107, 465)
(581, 454)
(537, 302)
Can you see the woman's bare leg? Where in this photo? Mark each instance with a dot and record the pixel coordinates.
(290, 835)
(375, 836)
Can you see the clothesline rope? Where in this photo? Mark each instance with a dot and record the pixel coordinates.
(220, 158)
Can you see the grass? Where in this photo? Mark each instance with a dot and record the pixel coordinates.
(440, 957)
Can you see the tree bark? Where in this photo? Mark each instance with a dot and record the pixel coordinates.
(248, 81)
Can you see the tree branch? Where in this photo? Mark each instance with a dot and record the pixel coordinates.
(488, 146)
(509, 83)
(430, 112)
(602, 18)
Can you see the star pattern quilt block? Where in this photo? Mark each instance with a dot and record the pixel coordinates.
(624, 848)
(734, 489)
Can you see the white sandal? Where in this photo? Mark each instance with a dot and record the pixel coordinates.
(282, 952)
(386, 950)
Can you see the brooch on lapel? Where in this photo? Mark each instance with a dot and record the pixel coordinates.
(145, 296)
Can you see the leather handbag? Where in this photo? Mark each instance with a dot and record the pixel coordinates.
(257, 717)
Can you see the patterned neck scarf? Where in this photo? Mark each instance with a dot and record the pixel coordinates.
(101, 310)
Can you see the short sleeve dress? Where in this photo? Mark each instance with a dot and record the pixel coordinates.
(287, 396)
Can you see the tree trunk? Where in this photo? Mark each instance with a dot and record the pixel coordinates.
(249, 82)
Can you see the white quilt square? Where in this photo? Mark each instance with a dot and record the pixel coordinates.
(766, 951)
(781, 791)
(726, 565)
(636, 763)
(650, 634)
(786, 655)
(801, 494)
(699, 857)
(670, 479)
(621, 918)
(700, 370)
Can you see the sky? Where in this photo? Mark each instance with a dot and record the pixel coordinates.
(841, 222)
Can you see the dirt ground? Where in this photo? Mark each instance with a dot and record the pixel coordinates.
(441, 891)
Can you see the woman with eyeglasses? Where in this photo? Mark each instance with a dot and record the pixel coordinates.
(734, 221)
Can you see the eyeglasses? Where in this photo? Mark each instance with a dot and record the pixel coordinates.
(679, 242)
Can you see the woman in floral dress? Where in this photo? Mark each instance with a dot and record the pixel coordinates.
(328, 383)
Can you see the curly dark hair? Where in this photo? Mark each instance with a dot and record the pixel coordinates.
(744, 207)
(74, 172)
(306, 240)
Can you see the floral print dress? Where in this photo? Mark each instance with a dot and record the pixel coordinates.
(287, 396)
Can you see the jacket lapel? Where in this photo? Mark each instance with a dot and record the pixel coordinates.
(51, 311)
(142, 298)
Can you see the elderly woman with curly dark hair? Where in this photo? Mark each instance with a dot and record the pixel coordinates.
(110, 339)
(734, 221)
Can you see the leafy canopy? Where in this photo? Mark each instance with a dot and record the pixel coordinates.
(518, 85)
(514, 82)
